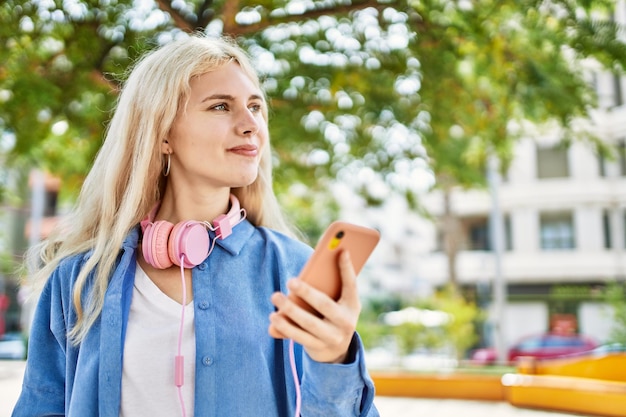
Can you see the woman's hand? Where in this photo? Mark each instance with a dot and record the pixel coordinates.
(326, 338)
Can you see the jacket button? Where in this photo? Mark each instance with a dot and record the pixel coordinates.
(207, 361)
(203, 305)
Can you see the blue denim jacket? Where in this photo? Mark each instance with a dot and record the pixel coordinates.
(240, 370)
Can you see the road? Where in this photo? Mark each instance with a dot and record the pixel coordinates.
(11, 373)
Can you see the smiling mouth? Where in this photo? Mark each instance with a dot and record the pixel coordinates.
(245, 150)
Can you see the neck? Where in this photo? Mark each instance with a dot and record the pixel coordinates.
(176, 208)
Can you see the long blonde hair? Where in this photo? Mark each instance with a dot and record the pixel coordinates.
(126, 179)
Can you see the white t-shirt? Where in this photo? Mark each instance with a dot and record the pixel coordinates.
(148, 387)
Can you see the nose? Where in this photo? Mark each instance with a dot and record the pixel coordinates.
(248, 123)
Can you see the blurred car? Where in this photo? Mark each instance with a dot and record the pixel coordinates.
(610, 348)
(484, 356)
(551, 345)
(12, 346)
(540, 346)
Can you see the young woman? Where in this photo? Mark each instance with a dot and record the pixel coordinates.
(160, 287)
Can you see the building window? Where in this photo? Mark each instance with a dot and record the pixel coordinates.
(606, 229)
(508, 233)
(602, 165)
(619, 157)
(617, 90)
(557, 231)
(50, 204)
(552, 162)
(478, 233)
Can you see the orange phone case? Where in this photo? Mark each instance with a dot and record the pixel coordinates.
(322, 270)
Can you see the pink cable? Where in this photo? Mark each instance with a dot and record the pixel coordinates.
(212, 246)
(179, 361)
(294, 373)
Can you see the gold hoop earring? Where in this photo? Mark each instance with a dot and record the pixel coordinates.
(166, 170)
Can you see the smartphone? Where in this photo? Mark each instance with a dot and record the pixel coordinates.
(322, 270)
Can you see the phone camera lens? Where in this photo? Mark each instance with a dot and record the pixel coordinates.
(339, 234)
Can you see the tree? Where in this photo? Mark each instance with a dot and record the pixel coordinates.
(63, 63)
(363, 92)
(58, 78)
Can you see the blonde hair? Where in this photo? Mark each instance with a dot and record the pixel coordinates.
(126, 179)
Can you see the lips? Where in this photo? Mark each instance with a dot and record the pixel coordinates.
(245, 150)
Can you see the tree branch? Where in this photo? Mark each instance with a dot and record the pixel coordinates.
(231, 8)
(231, 28)
(205, 14)
(179, 20)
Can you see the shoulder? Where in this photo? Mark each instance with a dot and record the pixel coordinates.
(58, 285)
(284, 250)
(68, 269)
(284, 243)
(53, 299)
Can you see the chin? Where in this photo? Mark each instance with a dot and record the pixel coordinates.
(244, 182)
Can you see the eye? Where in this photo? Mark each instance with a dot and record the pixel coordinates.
(219, 107)
(255, 107)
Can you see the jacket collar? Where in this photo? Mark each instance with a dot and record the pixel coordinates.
(234, 243)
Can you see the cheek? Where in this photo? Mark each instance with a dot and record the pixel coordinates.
(177, 131)
(187, 134)
(264, 135)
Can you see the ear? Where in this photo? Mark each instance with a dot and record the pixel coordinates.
(165, 147)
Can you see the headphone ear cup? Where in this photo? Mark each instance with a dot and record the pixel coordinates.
(191, 239)
(154, 245)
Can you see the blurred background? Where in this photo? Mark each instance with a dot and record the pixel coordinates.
(486, 140)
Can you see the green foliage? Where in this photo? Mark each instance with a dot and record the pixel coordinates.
(566, 299)
(372, 330)
(496, 62)
(413, 336)
(616, 298)
(365, 92)
(59, 66)
(458, 333)
(8, 265)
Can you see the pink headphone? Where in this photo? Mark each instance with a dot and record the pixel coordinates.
(165, 244)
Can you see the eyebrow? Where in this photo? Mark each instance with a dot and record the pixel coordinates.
(228, 97)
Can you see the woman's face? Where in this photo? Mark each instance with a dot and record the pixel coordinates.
(218, 140)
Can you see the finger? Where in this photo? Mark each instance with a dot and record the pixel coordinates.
(336, 320)
(288, 309)
(275, 333)
(349, 290)
(318, 301)
(277, 326)
(325, 339)
(272, 330)
(283, 326)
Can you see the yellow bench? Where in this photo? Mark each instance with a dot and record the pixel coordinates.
(593, 384)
